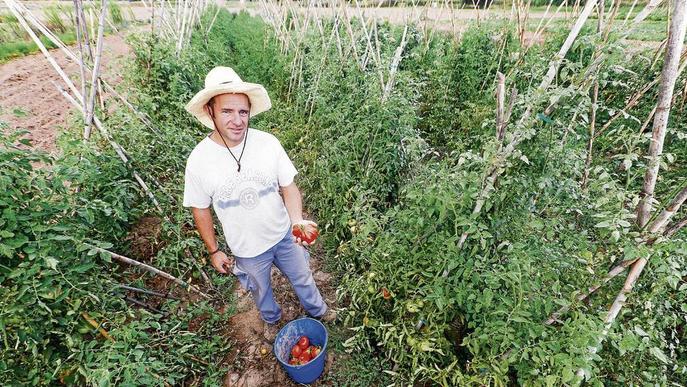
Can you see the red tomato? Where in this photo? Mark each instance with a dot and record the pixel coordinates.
(305, 235)
(294, 361)
(296, 351)
(314, 352)
(304, 342)
(304, 357)
(386, 294)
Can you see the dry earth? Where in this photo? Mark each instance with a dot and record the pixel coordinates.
(248, 365)
(30, 101)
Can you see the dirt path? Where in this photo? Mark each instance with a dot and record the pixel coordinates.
(30, 101)
(252, 364)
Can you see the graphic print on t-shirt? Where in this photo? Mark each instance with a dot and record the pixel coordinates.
(245, 189)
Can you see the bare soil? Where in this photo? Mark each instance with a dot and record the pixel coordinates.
(30, 101)
(253, 364)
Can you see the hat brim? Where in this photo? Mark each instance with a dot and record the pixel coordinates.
(259, 100)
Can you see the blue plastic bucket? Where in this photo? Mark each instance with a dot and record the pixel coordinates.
(288, 337)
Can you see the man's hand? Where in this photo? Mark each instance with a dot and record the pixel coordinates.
(221, 262)
(305, 227)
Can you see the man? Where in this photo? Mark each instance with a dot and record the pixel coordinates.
(241, 172)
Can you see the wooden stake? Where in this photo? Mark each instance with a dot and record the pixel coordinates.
(500, 106)
(150, 269)
(676, 40)
(675, 227)
(394, 65)
(590, 144)
(664, 216)
(117, 148)
(16, 12)
(676, 37)
(90, 107)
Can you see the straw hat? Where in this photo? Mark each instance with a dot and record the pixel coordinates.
(223, 80)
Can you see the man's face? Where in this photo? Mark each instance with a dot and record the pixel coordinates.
(230, 113)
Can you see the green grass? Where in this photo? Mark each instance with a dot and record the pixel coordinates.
(12, 50)
(648, 30)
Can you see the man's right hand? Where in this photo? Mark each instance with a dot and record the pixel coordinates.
(221, 262)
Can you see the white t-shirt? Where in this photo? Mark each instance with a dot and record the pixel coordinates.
(247, 204)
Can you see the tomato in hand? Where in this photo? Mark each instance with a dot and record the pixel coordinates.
(305, 233)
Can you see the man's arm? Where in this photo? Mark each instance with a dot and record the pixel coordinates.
(204, 224)
(293, 201)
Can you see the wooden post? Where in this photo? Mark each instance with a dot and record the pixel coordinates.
(664, 216)
(90, 107)
(394, 65)
(117, 148)
(590, 143)
(676, 38)
(150, 269)
(500, 105)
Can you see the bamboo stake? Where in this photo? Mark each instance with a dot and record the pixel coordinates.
(117, 148)
(80, 46)
(614, 272)
(500, 106)
(182, 24)
(96, 72)
(632, 7)
(556, 61)
(91, 22)
(368, 40)
(150, 269)
(349, 29)
(394, 65)
(16, 12)
(675, 227)
(378, 56)
(676, 39)
(212, 23)
(664, 216)
(617, 305)
(148, 292)
(590, 144)
(86, 33)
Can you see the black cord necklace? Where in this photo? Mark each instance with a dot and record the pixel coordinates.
(245, 140)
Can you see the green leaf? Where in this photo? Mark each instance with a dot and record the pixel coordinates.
(51, 262)
(658, 354)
